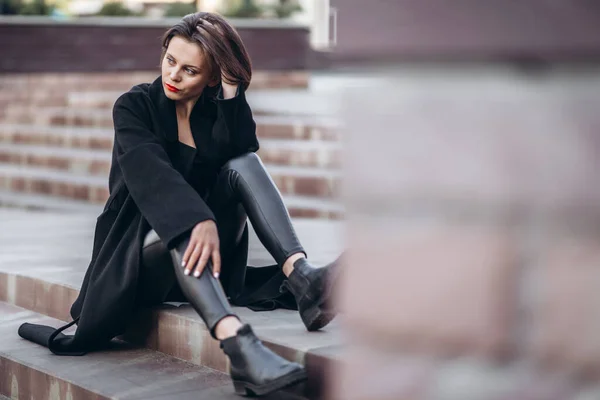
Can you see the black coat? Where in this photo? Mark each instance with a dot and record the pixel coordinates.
(147, 190)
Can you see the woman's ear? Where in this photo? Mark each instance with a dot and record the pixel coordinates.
(214, 81)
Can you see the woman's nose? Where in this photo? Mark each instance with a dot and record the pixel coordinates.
(174, 75)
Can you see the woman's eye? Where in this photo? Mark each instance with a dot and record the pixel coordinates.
(189, 71)
(170, 60)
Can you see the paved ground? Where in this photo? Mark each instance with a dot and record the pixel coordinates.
(52, 243)
(56, 247)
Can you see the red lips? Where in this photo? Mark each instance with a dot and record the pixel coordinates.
(171, 88)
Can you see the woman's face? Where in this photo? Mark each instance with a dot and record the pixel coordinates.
(185, 70)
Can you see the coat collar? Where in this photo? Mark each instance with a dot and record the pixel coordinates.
(168, 116)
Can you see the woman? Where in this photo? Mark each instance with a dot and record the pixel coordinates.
(184, 179)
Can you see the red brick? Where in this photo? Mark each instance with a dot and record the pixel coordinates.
(58, 120)
(3, 286)
(17, 184)
(567, 311)
(25, 292)
(81, 192)
(58, 163)
(99, 195)
(79, 142)
(41, 186)
(304, 213)
(99, 167)
(62, 190)
(439, 289)
(313, 186)
(369, 374)
(96, 143)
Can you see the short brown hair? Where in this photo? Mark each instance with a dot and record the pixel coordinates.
(219, 42)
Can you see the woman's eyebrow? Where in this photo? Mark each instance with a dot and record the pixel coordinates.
(188, 65)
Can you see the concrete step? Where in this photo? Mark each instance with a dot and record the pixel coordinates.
(44, 272)
(25, 160)
(307, 192)
(122, 81)
(57, 136)
(268, 126)
(125, 371)
(40, 148)
(77, 161)
(44, 202)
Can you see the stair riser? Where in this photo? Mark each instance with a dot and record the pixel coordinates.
(263, 131)
(295, 158)
(93, 194)
(73, 82)
(31, 104)
(99, 195)
(68, 141)
(271, 156)
(313, 186)
(23, 382)
(79, 166)
(155, 329)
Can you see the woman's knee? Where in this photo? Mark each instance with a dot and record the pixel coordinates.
(153, 247)
(243, 162)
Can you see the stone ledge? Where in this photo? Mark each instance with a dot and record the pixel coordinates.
(176, 330)
(122, 81)
(124, 371)
(96, 159)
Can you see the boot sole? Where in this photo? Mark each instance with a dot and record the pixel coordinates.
(316, 318)
(248, 389)
(321, 314)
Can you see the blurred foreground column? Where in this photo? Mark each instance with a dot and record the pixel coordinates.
(472, 189)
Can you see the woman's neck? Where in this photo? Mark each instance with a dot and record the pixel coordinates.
(184, 108)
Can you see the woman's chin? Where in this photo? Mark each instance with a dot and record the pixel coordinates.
(171, 95)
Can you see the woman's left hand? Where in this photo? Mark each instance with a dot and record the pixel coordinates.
(229, 89)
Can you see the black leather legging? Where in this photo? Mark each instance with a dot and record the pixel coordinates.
(243, 189)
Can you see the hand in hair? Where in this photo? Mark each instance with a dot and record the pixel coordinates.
(228, 83)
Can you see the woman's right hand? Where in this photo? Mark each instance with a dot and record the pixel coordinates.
(204, 244)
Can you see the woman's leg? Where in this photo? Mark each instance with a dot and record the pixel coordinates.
(244, 178)
(253, 367)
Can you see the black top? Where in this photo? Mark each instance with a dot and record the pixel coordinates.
(203, 171)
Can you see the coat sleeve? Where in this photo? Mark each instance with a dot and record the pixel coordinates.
(169, 204)
(235, 122)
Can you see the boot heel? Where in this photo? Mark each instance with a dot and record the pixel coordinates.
(240, 388)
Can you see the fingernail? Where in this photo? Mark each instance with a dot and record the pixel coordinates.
(183, 263)
(196, 274)
(216, 275)
(186, 272)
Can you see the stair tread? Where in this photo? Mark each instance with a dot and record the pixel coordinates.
(44, 172)
(107, 133)
(61, 256)
(46, 202)
(124, 371)
(53, 249)
(88, 131)
(314, 120)
(67, 249)
(88, 154)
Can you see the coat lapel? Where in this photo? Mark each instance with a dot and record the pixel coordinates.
(182, 156)
(165, 108)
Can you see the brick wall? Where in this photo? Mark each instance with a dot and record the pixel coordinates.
(43, 45)
(538, 30)
(473, 204)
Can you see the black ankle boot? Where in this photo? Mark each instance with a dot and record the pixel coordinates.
(256, 370)
(312, 289)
